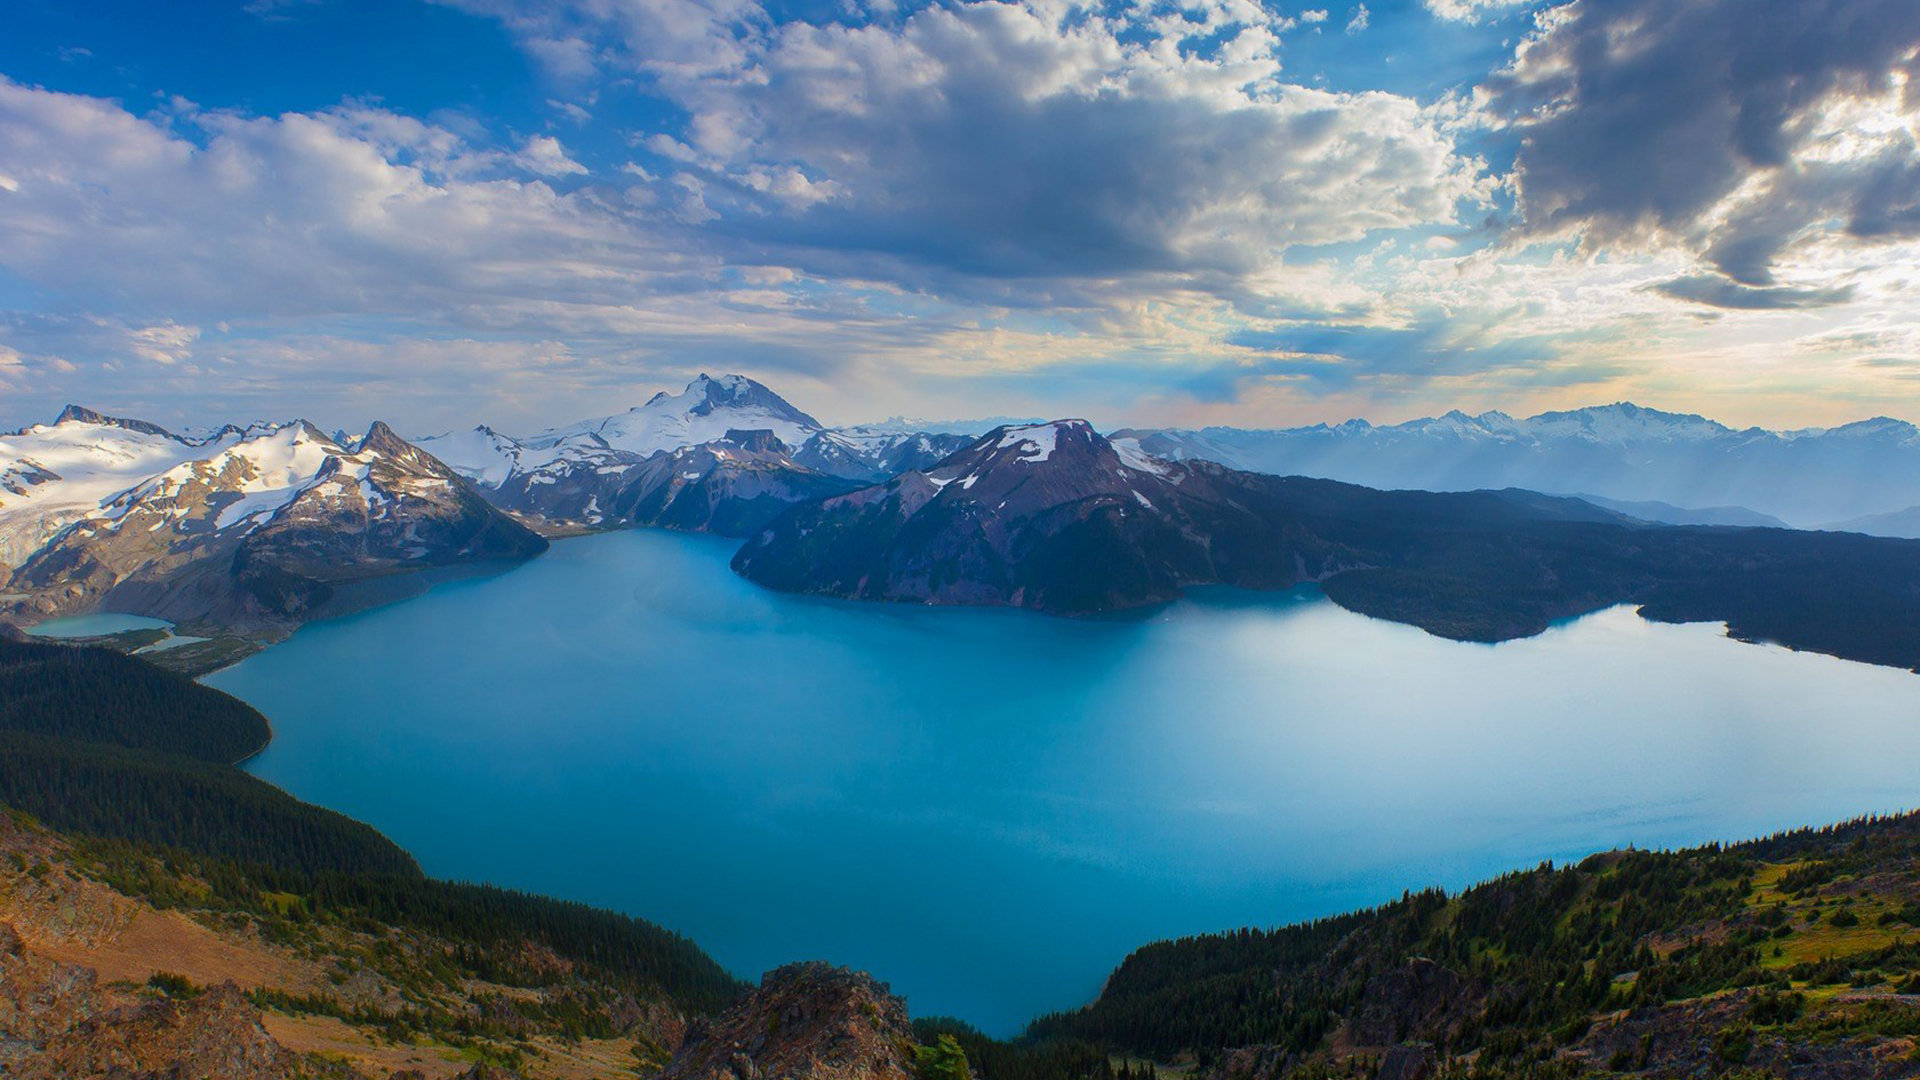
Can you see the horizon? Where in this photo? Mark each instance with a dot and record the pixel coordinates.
(330, 429)
(1231, 213)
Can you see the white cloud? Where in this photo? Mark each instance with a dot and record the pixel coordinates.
(1473, 11)
(1020, 140)
(544, 155)
(1362, 19)
(353, 210)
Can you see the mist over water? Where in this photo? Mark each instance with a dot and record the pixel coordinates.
(989, 808)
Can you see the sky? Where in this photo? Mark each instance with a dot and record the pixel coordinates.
(524, 212)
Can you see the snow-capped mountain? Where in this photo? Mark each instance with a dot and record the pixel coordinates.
(1050, 516)
(747, 451)
(1620, 452)
(868, 453)
(52, 475)
(248, 526)
(704, 412)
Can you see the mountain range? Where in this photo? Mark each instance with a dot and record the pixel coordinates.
(250, 530)
(724, 455)
(1057, 518)
(1809, 478)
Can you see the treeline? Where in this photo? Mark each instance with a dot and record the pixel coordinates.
(172, 801)
(489, 927)
(1528, 954)
(134, 762)
(100, 696)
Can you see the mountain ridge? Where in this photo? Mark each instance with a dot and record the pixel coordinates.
(1059, 519)
(1620, 451)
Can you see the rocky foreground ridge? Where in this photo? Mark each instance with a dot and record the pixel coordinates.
(95, 982)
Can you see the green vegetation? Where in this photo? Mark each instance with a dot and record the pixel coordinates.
(134, 763)
(943, 1060)
(99, 696)
(173, 801)
(1799, 940)
(996, 1059)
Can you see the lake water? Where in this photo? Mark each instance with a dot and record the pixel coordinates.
(96, 625)
(990, 808)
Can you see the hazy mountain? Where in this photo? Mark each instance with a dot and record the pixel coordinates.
(1621, 452)
(1669, 514)
(1901, 523)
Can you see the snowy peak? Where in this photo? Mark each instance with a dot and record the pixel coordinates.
(737, 392)
(1034, 465)
(701, 413)
(1623, 423)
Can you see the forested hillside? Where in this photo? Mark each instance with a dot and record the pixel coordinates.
(135, 763)
(1798, 955)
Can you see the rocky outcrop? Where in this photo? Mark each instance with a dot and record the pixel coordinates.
(805, 1022)
(57, 1023)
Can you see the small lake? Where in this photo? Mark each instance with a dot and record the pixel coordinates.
(991, 808)
(96, 625)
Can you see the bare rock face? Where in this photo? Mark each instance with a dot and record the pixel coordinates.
(806, 1022)
(57, 1022)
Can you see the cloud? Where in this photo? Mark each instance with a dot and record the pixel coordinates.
(1024, 141)
(1362, 18)
(1742, 130)
(1716, 291)
(666, 38)
(544, 155)
(1473, 11)
(214, 215)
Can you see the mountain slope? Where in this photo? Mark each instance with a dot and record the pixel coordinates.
(1058, 519)
(1900, 523)
(1792, 956)
(248, 529)
(1047, 516)
(1620, 451)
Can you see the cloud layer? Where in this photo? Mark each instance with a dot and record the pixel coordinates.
(1171, 211)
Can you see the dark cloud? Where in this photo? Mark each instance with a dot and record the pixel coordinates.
(1716, 291)
(1644, 116)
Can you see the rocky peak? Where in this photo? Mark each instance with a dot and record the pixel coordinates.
(81, 415)
(807, 1021)
(755, 439)
(707, 394)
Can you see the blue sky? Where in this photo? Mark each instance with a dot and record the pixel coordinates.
(1220, 211)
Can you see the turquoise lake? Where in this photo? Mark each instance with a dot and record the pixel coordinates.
(989, 809)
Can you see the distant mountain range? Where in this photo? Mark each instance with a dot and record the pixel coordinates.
(1810, 478)
(254, 529)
